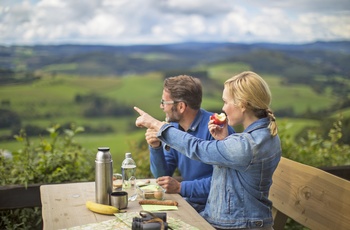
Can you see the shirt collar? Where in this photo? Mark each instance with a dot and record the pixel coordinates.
(197, 120)
(195, 123)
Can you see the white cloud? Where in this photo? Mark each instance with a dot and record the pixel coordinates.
(326, 27)
(207, 8)
(165, 21)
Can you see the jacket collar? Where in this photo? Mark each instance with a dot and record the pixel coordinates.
(258, 124)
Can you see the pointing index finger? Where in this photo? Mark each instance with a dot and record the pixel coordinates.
(141, 112)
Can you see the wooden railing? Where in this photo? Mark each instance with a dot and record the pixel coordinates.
(17, 196)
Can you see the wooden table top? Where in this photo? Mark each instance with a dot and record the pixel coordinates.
(63, 206)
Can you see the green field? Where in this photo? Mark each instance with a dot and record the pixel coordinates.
(51, 101)
(300, 97)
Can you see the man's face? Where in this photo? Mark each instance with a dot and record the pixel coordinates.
(170, 108)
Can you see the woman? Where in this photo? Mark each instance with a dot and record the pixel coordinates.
(243, 162)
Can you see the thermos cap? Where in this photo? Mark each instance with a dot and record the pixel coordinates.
(103, 155)
(104, 149)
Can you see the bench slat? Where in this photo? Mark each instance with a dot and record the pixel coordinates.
(310, 196)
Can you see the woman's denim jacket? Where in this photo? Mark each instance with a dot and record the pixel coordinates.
(243, 167)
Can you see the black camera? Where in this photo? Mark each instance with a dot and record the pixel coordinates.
(150, 221)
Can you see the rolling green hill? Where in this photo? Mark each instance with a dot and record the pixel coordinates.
(52, 100)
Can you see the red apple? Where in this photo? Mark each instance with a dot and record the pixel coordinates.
(218, 119)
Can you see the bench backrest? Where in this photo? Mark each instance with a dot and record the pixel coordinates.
(310, 196)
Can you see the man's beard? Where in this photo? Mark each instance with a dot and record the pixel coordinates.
(174, 116)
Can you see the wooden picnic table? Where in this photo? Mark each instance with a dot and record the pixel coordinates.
(63, 206)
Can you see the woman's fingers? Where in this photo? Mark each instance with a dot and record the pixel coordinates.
(140, 111)
(139, 121)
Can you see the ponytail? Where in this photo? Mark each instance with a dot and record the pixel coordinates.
(273, 125)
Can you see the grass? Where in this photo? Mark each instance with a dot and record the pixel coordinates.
(300, 97)
(292, 127)
(222, 72)
(141, 91)
(341, 113)
(118, 143)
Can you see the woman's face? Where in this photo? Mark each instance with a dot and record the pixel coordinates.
(233, 112)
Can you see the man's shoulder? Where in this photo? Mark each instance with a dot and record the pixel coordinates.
(202, 121)
(205, 113)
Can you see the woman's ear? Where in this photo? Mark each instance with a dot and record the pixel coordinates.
(243, 106)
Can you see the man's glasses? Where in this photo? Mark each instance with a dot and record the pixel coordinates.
(162, 102)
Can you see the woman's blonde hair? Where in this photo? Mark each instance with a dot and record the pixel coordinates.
(251, 91)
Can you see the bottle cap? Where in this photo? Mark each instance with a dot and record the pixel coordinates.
(127, 155)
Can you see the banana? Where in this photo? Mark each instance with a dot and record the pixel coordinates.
(101, 208)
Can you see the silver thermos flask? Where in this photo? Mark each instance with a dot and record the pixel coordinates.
(103, 175)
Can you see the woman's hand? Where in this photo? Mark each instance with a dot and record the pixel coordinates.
(219, 132)
(147, 121)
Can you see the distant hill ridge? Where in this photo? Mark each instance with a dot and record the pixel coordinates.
(97, 60)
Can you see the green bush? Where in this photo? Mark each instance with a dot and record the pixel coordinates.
(316, 151)
(56, 160)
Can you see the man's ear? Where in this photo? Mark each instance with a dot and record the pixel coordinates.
(182, 106)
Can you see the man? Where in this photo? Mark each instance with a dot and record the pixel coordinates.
(181, 102)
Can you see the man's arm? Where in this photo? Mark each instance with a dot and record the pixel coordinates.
(196, 188)
(160, 164)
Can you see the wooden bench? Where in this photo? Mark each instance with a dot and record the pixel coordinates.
(310, 196)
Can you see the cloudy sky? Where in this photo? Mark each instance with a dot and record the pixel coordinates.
(124, 22)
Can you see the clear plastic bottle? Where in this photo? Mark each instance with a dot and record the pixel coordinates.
(129, 179)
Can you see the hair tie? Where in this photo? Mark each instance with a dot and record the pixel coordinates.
(270, 114)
